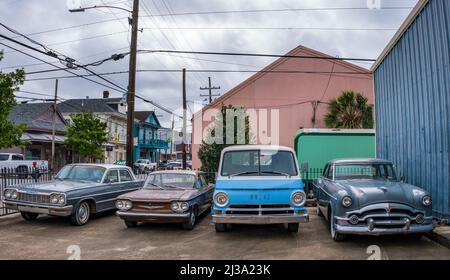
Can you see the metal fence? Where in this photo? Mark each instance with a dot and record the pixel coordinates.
(308, 178)
(12, 177)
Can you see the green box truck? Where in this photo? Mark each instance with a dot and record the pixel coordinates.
(315, 147)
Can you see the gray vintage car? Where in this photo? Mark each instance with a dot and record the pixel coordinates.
(77, 191)
(365, 196)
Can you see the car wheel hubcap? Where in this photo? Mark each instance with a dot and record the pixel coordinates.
(192, 218)
(83, 212)
(333, 232)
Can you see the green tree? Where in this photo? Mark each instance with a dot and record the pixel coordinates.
(350, 110)
(210, 149)
(10, 133)
(86, 135)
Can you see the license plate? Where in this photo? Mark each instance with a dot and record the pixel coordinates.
(260, 196)
(33, 209)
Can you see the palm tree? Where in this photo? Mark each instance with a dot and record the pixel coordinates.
(350, 110)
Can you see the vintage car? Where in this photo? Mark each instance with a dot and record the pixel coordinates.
(167, 197)
(77, 191)
(365, 196)
(259, 184)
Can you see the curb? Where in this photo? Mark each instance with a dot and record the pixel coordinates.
(438, 238)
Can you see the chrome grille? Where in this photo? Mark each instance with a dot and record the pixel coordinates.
(385, 217)
(34, 198)
(259, 209)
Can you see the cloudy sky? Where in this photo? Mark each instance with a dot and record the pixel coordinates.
(100, 33)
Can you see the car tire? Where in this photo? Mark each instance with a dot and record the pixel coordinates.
(82, 214)
(190, 224)
(319, 212)
(334, 235)
(221, 227)
(27, 216)
(131, 224)
(293, 227)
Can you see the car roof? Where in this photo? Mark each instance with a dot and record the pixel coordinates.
(359, 161)
(257, 147)
(188, 172)
(107, 166)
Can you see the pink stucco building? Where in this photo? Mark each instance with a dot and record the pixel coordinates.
(296, 97)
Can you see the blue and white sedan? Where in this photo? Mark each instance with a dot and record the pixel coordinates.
(77, 191)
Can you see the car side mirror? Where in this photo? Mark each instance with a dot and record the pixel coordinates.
(304, 166)
(107, 181)
(319, 181)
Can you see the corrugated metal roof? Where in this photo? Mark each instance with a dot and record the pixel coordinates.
(412, 96)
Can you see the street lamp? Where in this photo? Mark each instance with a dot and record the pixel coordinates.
(131, 72)
(98, 7)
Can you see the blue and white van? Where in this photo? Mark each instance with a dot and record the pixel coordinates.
(259, 184)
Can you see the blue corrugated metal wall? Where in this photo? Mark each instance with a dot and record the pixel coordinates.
(412, 100)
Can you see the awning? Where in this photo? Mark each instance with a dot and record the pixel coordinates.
(42, 137)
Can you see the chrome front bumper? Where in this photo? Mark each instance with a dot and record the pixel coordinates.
(126, 214)
(63, 211)
(260, 219)
(385, 227)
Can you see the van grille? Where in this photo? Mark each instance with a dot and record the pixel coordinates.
(259, 209)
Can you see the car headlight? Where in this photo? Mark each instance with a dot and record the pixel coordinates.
(58, 199)
(298, 198)
(177, 206)
(119, 204)
(221, 199)
(174, 206)
(8, 193)
(128, 205)
(14, 194)
(124, 204)
(347, 201)
(426, 200)
(184, 206)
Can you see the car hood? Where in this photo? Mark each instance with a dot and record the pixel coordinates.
(55, 186)
(159, 195)
(378, 191)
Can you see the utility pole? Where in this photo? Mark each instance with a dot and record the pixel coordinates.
(183, 145)
(54, 125)
(209, 88)
(132, 83)
(173, 136)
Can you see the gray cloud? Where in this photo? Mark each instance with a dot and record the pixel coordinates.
(28, 16)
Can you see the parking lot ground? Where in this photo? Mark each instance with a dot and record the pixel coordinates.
(106, 237)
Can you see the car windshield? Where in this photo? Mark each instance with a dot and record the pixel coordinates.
(4, 157)
(82, 173)
(170, 181)
(364, 171)
(141, 161)
(259, 163)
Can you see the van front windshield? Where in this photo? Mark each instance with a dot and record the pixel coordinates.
(259, 163)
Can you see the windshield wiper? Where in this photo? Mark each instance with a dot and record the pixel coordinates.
(155, 185)
(277, 173)
(171, 186)
(242, 173)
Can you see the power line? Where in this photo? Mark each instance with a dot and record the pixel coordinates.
(283, 28)
(51, 64)
(42, 63)
(72, 61)
(258, 55)
(70, 27)
(334, 73)
(82, 39)
(283, 10)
